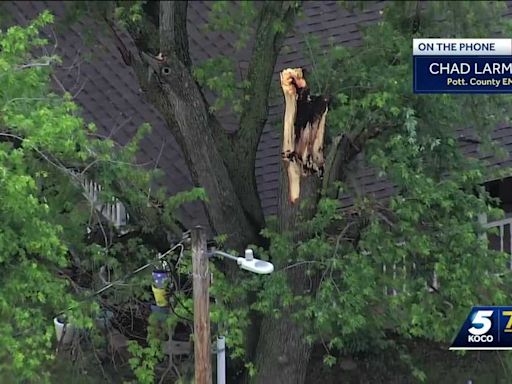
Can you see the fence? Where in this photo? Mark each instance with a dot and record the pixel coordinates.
(501, 242)
(115, 212)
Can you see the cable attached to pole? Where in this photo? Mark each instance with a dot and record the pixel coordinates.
(128, 275)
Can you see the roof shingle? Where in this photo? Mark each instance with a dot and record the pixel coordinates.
(109, 94)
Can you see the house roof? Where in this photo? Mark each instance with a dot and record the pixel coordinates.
(368, 182)
(109, 94)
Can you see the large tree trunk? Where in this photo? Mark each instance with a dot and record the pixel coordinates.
(222, 164)
(283, 354)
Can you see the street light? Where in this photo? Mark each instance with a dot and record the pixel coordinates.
(201, 283)
(249, 263)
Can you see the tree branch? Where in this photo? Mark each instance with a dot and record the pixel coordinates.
(125, 52)
(145, 216)
(275, 19)
(343, 150)
(170, 87)
(273, 24)
(173, 30)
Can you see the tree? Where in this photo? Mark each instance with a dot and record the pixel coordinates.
(30, 241)
(329, 285)
(47, 259)
(325, 254)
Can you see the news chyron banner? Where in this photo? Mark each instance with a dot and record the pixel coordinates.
(462, 65)
(486, 328)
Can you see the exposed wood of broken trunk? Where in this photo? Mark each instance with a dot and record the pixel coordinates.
(303, 130)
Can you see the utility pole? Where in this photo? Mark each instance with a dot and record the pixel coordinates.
(201, 283)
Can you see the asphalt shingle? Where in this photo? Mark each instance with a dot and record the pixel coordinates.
(108, 91)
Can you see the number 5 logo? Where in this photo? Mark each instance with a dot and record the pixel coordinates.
(483, 322)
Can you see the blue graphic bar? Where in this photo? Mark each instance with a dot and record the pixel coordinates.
(462, 74)
(486, 328)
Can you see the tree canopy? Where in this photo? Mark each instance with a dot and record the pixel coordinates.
(351, 279)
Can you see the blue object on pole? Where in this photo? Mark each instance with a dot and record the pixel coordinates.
(160, 278)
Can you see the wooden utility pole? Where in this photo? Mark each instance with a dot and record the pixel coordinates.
(201, 280)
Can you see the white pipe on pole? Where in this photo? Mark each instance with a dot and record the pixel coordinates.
(221, 360)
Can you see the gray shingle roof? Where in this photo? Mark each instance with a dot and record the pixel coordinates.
(108, 91)
(369, 184)
(324, 19)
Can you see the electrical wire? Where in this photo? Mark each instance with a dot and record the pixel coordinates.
(128, 275)
(140, 269)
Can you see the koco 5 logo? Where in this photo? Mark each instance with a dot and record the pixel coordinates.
(486, 328)
(481, 325)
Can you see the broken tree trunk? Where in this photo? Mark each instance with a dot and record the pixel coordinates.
(303, 130)
(283, 352)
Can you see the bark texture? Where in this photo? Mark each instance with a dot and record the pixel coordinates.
(184, 105)
(268, 41)
(282, 354)
(222, 164)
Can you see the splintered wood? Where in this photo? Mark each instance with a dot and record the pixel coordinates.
(304, 130)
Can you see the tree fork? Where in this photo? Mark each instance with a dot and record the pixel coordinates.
(170, 87)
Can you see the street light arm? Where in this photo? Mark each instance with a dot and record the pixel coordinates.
(249, 262)
(224, 254)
